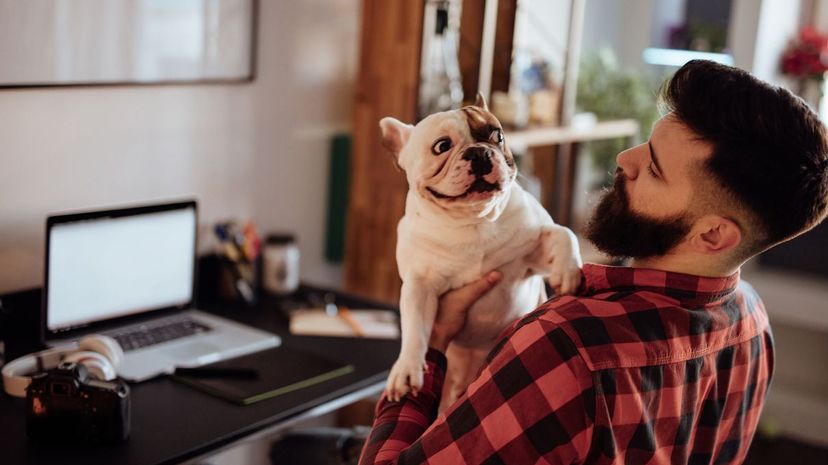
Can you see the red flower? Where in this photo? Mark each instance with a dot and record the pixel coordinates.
(807, 56)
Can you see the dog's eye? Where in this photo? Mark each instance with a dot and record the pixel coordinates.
(496, 136)
(441, 146)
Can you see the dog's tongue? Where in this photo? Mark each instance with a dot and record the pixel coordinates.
(481, 185)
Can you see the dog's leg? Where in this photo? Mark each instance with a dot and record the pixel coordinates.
(558, 256)
(463, 365)
(418, 309)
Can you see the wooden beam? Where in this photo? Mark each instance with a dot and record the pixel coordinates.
(504, 39)
(545, 168)
(387, 85)
(468, 54)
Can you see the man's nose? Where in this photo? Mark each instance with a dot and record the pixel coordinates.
(481, 162)
(628, 162)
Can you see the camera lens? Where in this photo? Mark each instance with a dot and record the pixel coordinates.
(60, 388)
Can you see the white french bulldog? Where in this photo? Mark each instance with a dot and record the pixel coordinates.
(464, 216)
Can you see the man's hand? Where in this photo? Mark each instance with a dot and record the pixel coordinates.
(454, 307)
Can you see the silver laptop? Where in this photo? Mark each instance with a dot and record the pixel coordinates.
(131, 274)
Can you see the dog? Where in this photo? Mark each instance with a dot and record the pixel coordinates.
(465, 215)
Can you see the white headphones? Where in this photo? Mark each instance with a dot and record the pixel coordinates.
(101, 355)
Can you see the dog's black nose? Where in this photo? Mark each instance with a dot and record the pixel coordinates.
(481, 162)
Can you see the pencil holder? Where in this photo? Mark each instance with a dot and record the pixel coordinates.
(239, 280)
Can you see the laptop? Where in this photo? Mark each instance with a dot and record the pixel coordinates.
(130, 274)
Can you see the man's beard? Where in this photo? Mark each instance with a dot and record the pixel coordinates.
(620, 233)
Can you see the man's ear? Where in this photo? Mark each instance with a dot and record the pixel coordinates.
(395, 134)
(716, 234)
(480, 101)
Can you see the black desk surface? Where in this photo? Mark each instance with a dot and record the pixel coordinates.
(172, 422)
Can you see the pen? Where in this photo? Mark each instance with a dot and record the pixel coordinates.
(346, 315)
(204, 372)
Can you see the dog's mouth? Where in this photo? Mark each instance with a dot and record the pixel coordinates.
(479, 185)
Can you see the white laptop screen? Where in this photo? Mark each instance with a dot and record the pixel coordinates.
(102, 268)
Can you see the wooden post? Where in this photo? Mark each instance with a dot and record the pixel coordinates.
(388, 85)
(468, 53)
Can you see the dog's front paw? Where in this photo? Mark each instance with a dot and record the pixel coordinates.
(565, 277)
(406, 375)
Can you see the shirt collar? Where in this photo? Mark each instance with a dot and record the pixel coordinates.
(688, 289)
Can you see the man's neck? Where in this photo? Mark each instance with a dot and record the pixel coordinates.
(693, 265)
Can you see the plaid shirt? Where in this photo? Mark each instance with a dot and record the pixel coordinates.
(642, 367)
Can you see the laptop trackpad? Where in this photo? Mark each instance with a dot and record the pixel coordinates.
(192, 351)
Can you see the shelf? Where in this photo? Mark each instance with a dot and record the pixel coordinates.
(552, 135)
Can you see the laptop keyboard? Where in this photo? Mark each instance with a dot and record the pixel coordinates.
(136, 337)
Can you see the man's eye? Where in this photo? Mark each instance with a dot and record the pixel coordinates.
(651, 170)
(496, 136)
(441, 146)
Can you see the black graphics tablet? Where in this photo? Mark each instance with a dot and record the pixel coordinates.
(279, 371)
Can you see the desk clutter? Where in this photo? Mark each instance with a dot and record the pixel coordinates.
(166, 405)
(239, 251)
(322, 316)
(72, 392)
(250, 264)
(379, 324)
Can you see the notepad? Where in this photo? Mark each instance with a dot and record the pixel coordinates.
(380, 324)
(281, 370)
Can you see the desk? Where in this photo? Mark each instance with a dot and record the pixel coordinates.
(172, 423)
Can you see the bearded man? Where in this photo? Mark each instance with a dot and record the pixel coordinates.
(667, 360)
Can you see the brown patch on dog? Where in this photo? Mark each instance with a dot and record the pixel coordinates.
(482, 124)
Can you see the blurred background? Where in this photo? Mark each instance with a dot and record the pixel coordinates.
(268, 110)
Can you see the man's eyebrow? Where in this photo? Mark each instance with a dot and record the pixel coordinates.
(655, 160)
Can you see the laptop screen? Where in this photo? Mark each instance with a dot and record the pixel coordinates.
(118, 263)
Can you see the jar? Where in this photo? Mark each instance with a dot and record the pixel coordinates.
(281, 264)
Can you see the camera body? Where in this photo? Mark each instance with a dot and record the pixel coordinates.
(66, 404)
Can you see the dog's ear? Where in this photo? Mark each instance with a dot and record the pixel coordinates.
(395, 134)
(480, 101)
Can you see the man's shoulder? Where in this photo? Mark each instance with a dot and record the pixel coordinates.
(622, 329)
(752, 305)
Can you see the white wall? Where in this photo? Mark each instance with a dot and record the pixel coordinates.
(779, 21)
(624, 27)
(601, 25)
(308, 74)
(244, 150)
(744, 25)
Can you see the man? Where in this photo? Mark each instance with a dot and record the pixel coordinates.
(668, 360)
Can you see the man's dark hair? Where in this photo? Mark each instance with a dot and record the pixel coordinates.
(770, 150)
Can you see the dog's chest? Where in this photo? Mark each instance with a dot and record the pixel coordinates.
(469, 261)
(450, 259)
(517, 293)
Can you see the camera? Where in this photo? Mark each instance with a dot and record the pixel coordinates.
(66, 404)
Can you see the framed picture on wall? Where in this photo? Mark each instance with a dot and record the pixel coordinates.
(126, 42)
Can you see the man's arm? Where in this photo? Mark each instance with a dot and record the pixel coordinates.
(534, 399)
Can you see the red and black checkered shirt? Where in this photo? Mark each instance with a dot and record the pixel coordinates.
(642, 367)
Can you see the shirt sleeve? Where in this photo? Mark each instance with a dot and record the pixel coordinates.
(533, 400)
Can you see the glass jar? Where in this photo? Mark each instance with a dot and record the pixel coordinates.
(281, 264)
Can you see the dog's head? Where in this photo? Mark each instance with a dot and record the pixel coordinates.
(455, 159)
